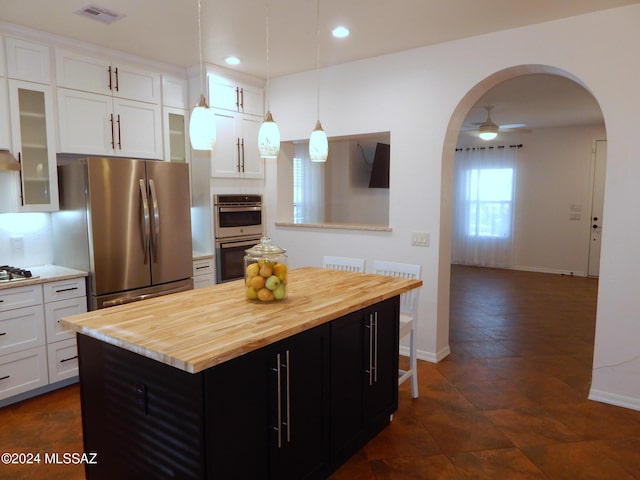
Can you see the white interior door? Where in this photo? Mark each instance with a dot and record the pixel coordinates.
(600, 165)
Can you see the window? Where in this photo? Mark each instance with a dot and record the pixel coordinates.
(490, 202)
(483, 206)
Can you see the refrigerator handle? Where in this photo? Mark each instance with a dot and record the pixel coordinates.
(156, 220)
(146, 227)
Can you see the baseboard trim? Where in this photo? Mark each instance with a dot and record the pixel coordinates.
(614, 399)
(427, 356)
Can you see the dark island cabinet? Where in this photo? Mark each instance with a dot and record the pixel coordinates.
(293, 410)
(364, 366)
(268, 411)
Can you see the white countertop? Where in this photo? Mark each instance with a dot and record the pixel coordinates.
(46, 273)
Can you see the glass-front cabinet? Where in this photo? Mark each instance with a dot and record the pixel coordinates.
(176, 138)
(33, 139)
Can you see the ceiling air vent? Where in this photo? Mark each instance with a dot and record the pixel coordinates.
(100, 14)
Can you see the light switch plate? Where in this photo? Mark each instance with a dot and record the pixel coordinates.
(420, 239)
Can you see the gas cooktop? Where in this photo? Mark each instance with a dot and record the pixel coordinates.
(13, 274)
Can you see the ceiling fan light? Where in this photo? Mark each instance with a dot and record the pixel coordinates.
(269, 138)
(202, 126)
(318, 144)
(488, 131)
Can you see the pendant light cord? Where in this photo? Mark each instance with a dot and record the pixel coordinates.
(318, 58)
(200, 49)
(268, 75)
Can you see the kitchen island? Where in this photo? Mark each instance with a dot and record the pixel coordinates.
(204, 384)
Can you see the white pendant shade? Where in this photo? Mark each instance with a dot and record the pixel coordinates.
(318, 144)
(202, 126)
(269, 138)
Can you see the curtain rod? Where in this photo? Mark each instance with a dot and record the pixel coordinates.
(490, 147)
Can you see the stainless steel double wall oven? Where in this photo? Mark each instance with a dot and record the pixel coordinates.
(238, 226)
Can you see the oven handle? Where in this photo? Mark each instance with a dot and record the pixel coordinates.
(239, 209)
(241, 243)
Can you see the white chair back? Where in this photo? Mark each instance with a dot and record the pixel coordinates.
(408, 300)
(344, 263)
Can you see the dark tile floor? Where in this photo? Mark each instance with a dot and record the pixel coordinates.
(510, 402)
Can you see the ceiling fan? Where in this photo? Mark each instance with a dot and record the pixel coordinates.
(488, 130)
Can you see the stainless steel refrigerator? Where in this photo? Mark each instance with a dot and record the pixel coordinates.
(127, 222)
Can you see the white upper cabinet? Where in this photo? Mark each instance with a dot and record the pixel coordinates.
(236, 152)
(5, 132)
(104, 76)
(107, 108)
(175, 92)
(227, 94)
(3, 64)
(94, 124)
(28, 61)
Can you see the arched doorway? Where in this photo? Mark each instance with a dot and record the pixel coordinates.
(572, 210)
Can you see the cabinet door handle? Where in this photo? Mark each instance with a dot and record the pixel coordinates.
(117, 81)
(242, 144)
(242, 98)
(110, 84)
(278, 399)
(20, 178)
(113, 137)
(238, 152)
(5, 377)
(237, 98)
(288, 398)
(370, 368)
(119, 132)
(375, 348)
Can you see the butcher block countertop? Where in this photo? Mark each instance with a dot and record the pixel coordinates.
(201, 328)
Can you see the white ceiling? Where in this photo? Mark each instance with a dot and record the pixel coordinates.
(166, 31)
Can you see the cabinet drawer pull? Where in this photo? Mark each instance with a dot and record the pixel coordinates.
(70, 289)
(1, 301)
(5, 377)
(202, 268)
(3, 333)
(68, 359)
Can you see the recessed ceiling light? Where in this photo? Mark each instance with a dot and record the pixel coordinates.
(340, 32)
(232, 60)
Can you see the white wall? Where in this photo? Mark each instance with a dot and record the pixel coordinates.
(422, 96)
(34, 230)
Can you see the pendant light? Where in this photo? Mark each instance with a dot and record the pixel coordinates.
(318, 143)
(202, 125)
(269, 134)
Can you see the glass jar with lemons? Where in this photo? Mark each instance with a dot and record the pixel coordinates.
(265, 272)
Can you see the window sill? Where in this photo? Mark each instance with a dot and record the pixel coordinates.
(336, 226)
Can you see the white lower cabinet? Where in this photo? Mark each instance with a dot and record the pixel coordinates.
(62, 299)
(23, 371)
(204, 273)
(34, 349)
(63, 360)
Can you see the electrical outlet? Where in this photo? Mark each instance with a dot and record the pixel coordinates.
(17, 245)
(420, 239)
